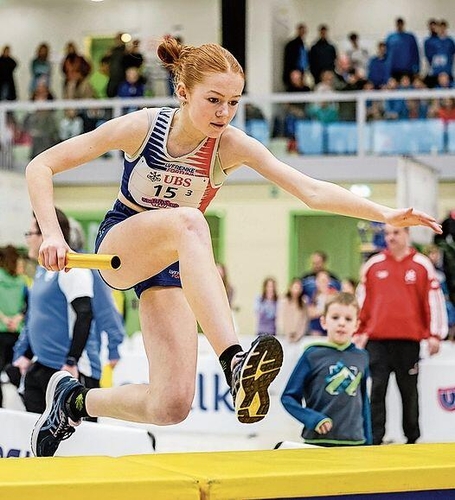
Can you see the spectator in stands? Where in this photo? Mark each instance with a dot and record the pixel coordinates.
(324, 111)
(116, 67)
(418, 108)
(70, 125)
(347, 109)
(41, 124)
(99, 79)
(317, 302)
(444, 81)
(442, 60)
(394, 109)
(292, 314)
(318, 262)
(131, 87)
(295, 61)
(40, 68)
(431, 48)
(444, 109)
(75, 69)
(402, 52)
(375, 109)
(322, 55)
(379, 68)
(446, 241)
(13, 304)
(134, 59)
(401, 304)
(266, 308)
(358, 56)
(332, 380)
(7, 67)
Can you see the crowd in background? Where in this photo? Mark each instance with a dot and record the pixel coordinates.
(118, 73)
(400, 63)
(296, 312)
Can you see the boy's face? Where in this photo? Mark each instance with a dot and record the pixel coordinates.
(340, 322)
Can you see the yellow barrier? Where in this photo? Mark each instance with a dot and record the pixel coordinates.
(268, 474)
(91, 478)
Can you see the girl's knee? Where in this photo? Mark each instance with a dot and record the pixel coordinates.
(168, 407)
(168, 413)
(192, 221)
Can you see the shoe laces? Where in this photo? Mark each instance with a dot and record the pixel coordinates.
(65, 428)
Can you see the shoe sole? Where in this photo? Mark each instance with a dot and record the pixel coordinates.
(259, 370)
(50, 392)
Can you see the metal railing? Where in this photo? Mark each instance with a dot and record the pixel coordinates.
(271, 105)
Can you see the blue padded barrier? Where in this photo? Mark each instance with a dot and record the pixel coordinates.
(310, 137)
(342, 138)
(450, 137)
(408, 137)
(259, 129)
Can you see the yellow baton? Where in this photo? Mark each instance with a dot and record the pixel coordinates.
(92, 261)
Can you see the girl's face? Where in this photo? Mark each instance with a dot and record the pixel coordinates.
(296, 288)
(212, 104)
(270, 288)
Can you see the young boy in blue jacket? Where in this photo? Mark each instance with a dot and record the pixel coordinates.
(331, 378)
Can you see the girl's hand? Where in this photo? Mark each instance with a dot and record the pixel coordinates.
(52, 253)
(404, 217)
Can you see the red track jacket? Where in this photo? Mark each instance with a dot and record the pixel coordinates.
(401, 300)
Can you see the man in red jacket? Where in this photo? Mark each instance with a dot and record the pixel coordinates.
(401, 304)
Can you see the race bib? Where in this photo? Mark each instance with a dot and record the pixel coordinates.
(154, 188)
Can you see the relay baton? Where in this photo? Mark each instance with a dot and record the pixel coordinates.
(92, 261)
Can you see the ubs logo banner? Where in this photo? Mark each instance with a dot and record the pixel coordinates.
(446, 398)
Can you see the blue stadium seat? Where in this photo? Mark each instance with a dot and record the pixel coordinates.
(342, 138)
(408, 137)
(451, 137)
(310, 137)
(259, 129)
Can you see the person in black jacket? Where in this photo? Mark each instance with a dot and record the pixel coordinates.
(322, 55)
(295, 57)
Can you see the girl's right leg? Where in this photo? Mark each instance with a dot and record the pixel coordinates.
(149, 242)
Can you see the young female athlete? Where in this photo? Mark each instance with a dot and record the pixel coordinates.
(175, 162)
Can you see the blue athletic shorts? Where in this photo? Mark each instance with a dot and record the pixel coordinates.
(168, 277)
